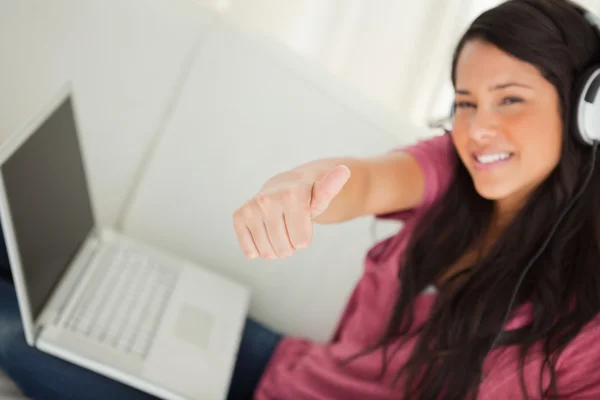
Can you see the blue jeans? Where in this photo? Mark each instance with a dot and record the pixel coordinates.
(42, 376)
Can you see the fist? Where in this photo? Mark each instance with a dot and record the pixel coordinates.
(278, 220)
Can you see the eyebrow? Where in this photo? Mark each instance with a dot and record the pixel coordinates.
(497, 87)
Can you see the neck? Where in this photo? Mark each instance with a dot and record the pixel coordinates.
(505, 210)
(502, 217)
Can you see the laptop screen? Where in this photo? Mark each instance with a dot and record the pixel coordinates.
(47, 193)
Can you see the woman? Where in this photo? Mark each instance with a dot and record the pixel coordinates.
(424, 321)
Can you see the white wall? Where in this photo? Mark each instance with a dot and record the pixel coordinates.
(398, 53)
(593, 5)
(378, 47)
(124, 58)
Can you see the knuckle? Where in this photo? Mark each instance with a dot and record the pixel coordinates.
(238, 216)
(249, 211)
(263, 200)
(288, 194)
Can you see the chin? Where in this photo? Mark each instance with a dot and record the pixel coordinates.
(495, 191)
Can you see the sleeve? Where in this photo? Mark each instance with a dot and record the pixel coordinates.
(578, 369)
(437, 160)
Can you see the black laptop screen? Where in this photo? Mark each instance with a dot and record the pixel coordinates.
(49, 202)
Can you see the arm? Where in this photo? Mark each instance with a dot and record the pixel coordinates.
(377, 185)
(279, 219)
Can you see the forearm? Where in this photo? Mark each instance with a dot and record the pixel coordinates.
(377, 185)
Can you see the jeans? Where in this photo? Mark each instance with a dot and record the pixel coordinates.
(42, 376)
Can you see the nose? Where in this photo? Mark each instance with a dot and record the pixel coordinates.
(482, 126)
(481, 134)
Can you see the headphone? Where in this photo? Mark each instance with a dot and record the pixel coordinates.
(587, 124)
(587, 131)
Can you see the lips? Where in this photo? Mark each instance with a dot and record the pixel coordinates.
(490, 160)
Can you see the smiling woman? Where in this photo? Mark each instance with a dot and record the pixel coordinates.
(508, 129)
(518, 216)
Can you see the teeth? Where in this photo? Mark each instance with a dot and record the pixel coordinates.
(491, 158)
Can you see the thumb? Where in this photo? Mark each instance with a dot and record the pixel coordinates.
(325, 189)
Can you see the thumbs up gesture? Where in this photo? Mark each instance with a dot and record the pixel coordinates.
(278, 220)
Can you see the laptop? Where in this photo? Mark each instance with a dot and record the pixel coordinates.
(97, 298)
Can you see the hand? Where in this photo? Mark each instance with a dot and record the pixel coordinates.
(278, 220)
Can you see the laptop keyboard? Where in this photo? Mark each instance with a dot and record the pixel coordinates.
(124, 301)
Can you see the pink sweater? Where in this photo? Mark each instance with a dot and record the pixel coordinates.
(304, 370)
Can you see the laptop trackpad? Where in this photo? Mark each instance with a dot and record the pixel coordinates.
(194, 326)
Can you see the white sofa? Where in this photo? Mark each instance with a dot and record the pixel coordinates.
(183, 116)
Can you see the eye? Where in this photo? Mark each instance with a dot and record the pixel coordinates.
(464, 104)
(511, 100)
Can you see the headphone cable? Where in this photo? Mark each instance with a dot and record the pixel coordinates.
(545, 244)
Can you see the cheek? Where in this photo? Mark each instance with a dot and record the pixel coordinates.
(543, 157)
(541, 134)
(541, 148)
(460, 140)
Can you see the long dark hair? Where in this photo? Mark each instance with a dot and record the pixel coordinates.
(563, 285)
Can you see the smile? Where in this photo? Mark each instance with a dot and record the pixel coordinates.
(487, 161)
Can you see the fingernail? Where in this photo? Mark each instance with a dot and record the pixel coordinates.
(251, 256)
